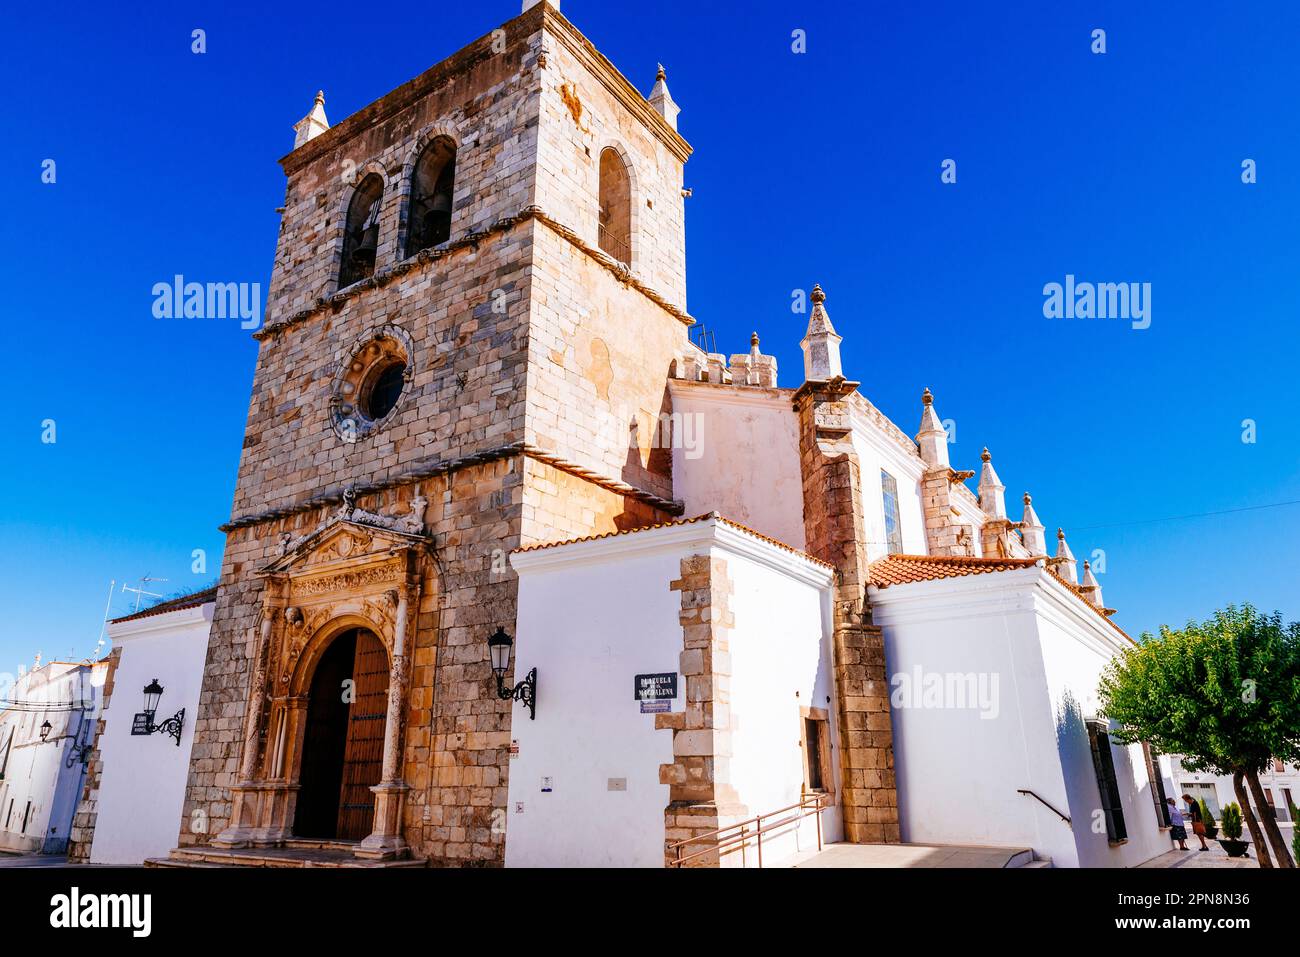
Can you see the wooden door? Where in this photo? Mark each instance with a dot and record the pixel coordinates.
(363, 754)
(321, 768)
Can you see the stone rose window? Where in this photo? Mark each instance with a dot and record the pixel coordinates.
(372, 383)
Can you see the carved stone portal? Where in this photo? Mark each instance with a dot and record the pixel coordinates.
(349, 572)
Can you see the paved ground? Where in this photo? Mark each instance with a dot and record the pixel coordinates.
(915, 855)
(32, 860)
(1214, 857)
(873, 855)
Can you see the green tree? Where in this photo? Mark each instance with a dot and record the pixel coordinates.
(1225, 693)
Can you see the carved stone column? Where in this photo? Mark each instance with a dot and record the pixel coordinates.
(245, 795)
(385, 840)
(278, 795)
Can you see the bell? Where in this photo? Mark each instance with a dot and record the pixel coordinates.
(437, 226)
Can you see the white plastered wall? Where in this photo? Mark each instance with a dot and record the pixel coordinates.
(592, 616)
(745, 460)
(142, 784)
(960, 769)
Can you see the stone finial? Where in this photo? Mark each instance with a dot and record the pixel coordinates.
(1091, 589)
(662, 101)
(752, 367)
(933, 437)
(529, 4)
(1031, 530)
(992, 492)
(821, 344)
(313, 124)
(1065, 563)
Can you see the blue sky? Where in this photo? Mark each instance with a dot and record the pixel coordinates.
(814, 167)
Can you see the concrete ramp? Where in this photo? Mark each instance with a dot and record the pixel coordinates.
(919, 855)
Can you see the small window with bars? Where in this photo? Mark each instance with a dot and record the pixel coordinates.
(893, 526)
(1104, 764)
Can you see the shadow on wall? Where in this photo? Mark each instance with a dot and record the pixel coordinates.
(1081, 791)
(650, 444)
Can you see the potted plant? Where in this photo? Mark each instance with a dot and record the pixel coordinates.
(1233, 844)
(1211, 828)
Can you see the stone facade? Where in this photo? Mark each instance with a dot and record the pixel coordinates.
(701, 797)
(82, 834)
(835, 529)
(534, 385)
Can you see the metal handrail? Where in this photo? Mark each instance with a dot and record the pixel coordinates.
(809, 804)
(1063, 817)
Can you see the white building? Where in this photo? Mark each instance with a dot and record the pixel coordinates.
(587, 786)
(131, 811)
(1280, 781)
(873, 632)
(45, 738)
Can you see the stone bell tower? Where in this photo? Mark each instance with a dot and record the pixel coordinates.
(478, 294)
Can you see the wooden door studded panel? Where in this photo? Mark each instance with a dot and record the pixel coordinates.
(364, 753)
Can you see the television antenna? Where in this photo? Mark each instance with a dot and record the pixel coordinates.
(112, 583)
(140, 592)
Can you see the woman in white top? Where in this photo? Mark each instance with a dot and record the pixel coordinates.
(1177, 830)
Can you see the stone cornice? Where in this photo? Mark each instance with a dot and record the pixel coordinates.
(832, 390)
(604, 481)
(543, 16)
(732, 394)
(620, 271)
(393, 102)
(886, 426)
(472, 241)
(614, 81)
(435, 467)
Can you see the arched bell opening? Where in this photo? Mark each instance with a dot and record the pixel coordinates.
(361, 232)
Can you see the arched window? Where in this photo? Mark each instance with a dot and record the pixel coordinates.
(615, 206)
(433, 183)
(361, 231)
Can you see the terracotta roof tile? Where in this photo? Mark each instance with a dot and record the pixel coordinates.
(685, 521)
(172, 604)
(905, 569)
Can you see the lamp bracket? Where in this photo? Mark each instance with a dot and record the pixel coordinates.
(171, 726)
(525, 693)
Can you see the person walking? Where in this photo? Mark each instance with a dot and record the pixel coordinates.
(1198, 820)
(1176, 830)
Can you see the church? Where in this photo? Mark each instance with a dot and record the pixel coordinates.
(517, 574)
